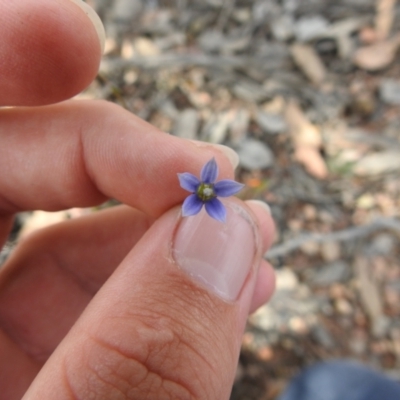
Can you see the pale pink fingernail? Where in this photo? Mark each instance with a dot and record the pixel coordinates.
(219, 256)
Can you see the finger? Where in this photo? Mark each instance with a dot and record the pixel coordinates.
(67, 263)
(18, 372)
(265, 286)
(265, 282)
(168, 323)
(80, 153)
(50, 50)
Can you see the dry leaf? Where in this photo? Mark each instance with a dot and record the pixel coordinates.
(312, 161)
(378, 55)
(307, 59)
(384, 17)
(301, 130)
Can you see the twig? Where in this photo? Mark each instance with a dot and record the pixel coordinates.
(343, 235)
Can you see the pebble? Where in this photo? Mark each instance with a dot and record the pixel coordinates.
(309, 28)
(211, 40)
(126, 11)
(378, 163)
(282, 27)
(330, 251)
(383, 244)
(343, 307)
(358, 342)
(145, 47)
(389, 91)
(254, 155)
(311, 248)
(337, 271)
(186, 124)
(322, 336)
(380, 326)
(271, 123)
(286, 279)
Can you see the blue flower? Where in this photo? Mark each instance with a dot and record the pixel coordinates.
(206, 190)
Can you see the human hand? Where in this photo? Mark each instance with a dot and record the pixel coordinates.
(103, 306)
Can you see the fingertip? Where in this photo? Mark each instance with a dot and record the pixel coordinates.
(50, 51)
(262, 212)
(264, 287)
(96, 21)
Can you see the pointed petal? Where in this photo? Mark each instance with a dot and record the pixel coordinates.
(188, 182)
(216, 210)
(227, 187)
(191, 206)
(209, 172)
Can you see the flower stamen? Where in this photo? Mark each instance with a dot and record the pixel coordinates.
(205, 191)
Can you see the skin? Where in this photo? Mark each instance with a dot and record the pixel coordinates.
(67, 325)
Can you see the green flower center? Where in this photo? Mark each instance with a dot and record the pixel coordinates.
(205, 191)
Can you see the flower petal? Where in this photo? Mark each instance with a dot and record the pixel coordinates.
(209, 172)
(191, 206)
(188, 182)
(227, 187)
(216, 209)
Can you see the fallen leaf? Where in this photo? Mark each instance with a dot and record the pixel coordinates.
(312, 161)
(378, 55)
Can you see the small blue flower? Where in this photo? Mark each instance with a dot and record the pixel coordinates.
(206, 190)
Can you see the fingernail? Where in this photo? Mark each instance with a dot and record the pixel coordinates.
(92, 15)
(230, 154)
(261, 204)
(218, 256)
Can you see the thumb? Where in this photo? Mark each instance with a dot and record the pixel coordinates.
(168, 323)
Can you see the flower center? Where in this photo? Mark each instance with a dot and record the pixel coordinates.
(205, 191)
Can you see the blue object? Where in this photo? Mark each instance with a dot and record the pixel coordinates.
(341, 380)
(205, 191)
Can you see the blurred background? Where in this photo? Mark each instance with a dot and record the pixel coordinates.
(308, 93)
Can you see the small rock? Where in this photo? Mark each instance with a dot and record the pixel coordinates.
(286, 279)
(330, 251)
(381, 326)
(282, 27)
(321, 335)
(343, 307)
(378, 163)
(271, 123)
(383, 244)
(169, 41)
(389, 91)
(309, 28)
(186, 124)
(211, 40)
(298, 325)
(254, 154)
(310, 248)
(126, 11)
(358, 342)
(145, 47)
(337, 271)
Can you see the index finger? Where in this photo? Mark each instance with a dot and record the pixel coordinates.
(79, 153)
(49, 51)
